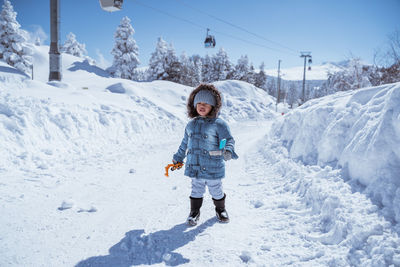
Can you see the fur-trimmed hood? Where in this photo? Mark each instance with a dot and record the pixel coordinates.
(192, 113)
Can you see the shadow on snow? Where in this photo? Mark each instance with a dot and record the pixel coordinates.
(86, 66)
(12, 70)
(136, 248)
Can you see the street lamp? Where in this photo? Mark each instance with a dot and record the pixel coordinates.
(54, 53)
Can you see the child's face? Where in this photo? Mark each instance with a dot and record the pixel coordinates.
(203, 109)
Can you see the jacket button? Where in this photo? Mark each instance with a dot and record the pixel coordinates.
(204, 168)
(205, 152)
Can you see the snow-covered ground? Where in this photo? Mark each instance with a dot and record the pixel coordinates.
(82, 175)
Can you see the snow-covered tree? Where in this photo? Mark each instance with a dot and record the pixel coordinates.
(14, 48)
(141, 75)
(272, 87)
(292, 96)
(242, 69)
(251, 75)
(260, 77)
(38, 41)
(173, 66)
(189, 75)
(125, 51)
(164, 64)
(354, 76)
(221, 65)
(158, 61)
(207, 69)
(359, 74)
(197, 65)
(73, 47)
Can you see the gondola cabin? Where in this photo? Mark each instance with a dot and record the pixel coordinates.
(209, 42)
(111, 5)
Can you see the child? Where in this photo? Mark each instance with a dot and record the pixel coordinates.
(205, 160)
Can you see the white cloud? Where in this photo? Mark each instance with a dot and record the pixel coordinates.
(101, 60)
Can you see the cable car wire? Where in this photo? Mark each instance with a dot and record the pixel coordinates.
(236, 26)
(169, 14)
(202, 27)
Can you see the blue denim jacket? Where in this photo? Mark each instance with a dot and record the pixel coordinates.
(203, 135)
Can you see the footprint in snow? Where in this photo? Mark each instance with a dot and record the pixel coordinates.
(91, 209)
(283, 204)
(266, 248)
(257, 204)
(245, 256)
(66, 204)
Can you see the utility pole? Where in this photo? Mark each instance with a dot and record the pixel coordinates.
(278, 97)
(305, 55)
(54, 53)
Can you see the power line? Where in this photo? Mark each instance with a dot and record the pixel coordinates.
(202, 27)
(237, 27)
(169, 14)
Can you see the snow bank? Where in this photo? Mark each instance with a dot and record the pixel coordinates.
(244, 101)
(88, 111)
(357, 131)
(345, 221)
(66, 123)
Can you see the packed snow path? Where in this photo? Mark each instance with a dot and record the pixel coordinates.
(118, 209)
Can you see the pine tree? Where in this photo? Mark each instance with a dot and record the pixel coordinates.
(260, 78)
(207, 69)
(188, 71)
(221, 66)
(293, 96)
(251, 75)
(125, 51)
(242, 69)
(73, 47)
(14, 48)
(272, 87)
(158, 61)
(173, 66)
(197, 66)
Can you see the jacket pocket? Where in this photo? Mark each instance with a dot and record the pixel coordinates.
(215, 153)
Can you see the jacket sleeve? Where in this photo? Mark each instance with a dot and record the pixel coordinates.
(225, 133)
(181, 154)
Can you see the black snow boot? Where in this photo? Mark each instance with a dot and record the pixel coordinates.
(221, 213)
(195, 205)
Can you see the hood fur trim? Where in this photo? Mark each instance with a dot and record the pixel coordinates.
(192, 113)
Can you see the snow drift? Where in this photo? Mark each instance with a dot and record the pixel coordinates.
(356, 131)
(43, 121)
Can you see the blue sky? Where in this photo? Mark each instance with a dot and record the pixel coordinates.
(264, 30)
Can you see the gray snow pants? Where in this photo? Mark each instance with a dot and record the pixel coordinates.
(214, 188)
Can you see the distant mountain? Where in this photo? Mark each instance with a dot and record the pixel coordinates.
(340, 64)
(317, 72)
